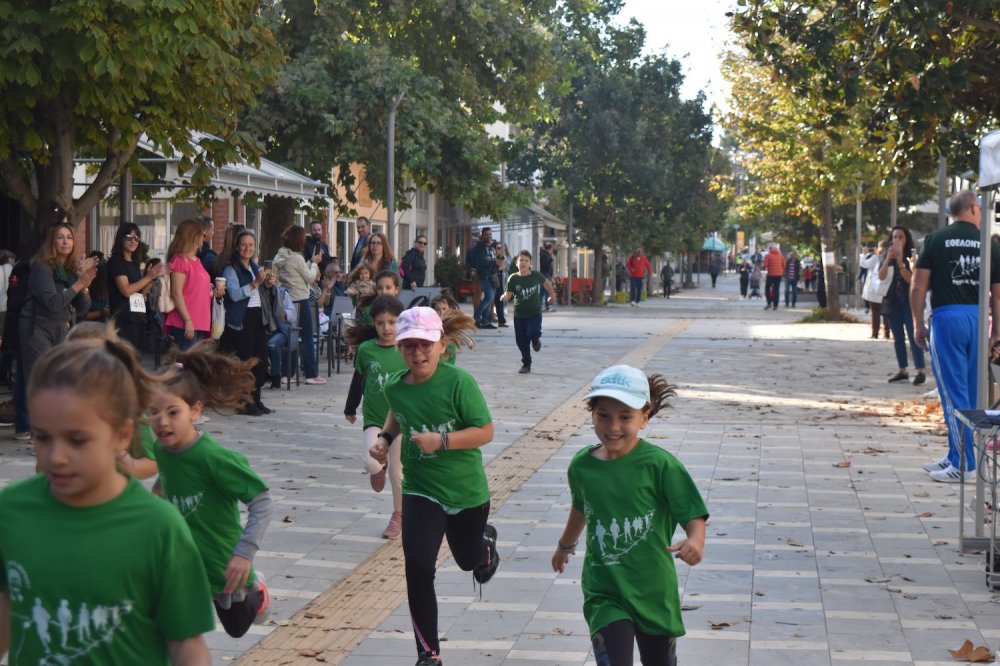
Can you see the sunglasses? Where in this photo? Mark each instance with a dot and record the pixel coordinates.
(132, 238)
(421, 242)
(410, 346)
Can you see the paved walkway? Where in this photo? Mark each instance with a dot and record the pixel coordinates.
(806, 562)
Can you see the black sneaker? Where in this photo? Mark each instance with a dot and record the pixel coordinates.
(487, 326)
(536, 344)
(900, 376)
(525, 369)
(484, 572)
(429, 660)
(919, 379)
(249, 410)
(262, 409)
(276, 382)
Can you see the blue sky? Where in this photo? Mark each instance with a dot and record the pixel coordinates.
(694, 32)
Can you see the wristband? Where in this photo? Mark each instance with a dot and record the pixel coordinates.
(569, 548)
(444, 441)
(388, 437)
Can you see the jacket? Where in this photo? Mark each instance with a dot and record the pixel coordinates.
(413, 268)
(774, 263)
(637, 266)
(294, 273)
(238, 290)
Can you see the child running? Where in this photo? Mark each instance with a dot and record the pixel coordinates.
(205, 480)
(630, 495)
(443, 303)
(522, 287)
(443, 419)
(374, 363)
(93, 568)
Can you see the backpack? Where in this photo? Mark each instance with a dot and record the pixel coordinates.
(164, 301)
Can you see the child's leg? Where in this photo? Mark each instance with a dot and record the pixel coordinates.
(522, 340)
(423, 531)
(613, 644)
(237, 618)
(656, 650)
(396, 474)
(534, 328)
(465, 537)
(372, 466)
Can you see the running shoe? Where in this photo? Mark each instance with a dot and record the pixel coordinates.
(315, 380)
(264, 612)
(429, 660)
(536, 344)
(378, 480)
(937, 466)
(484, 572)
(395, 527)
(951, 474)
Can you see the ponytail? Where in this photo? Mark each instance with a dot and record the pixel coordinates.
(216, 380)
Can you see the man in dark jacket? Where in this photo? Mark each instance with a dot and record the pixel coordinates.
(315, 244)
(413, 267)
(482, 262)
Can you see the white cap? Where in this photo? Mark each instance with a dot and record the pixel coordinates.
(623, 383)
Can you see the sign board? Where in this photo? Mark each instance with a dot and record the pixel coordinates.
(989, 161)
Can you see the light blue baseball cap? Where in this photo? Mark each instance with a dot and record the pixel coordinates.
(623, 383)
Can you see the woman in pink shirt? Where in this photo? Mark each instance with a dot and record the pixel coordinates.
(190, 287)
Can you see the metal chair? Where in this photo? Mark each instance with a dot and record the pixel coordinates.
(340, 312)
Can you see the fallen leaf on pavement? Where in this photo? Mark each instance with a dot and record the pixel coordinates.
(309, 652)
(974, 654)
(925, 514)
(719, 625)
(689, 607)
(844, 463)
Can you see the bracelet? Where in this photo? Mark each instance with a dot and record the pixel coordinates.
(387, 436)
(444, 441)
(567, 548)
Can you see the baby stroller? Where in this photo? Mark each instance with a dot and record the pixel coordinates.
(754, 284)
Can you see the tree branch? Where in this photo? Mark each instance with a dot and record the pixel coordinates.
(976, 22)
(111, 169)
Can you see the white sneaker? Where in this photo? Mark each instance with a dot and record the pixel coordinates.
(315, 380)
(951, 475)
(937, 466)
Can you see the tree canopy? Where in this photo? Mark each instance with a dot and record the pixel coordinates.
(90, 77)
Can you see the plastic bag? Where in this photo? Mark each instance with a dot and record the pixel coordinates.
(218, 318)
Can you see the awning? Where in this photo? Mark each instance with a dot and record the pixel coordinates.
(714, 245)
(270, 178)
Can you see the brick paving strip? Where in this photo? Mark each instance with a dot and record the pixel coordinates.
(336, 622)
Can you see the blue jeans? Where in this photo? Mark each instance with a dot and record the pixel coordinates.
(791, 288)
(182, 342)
(527, 329)
(954, 358)
(900, 319)
(482, 314)
(307, 344)
(635, 288)
(277, 347)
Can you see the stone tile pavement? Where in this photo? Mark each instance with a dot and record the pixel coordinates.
(807, 562)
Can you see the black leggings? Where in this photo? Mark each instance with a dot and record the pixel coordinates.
(424, 525)
(613, 646)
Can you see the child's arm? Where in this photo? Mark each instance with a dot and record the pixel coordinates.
(380, 449)
(468, 438)
(260, 508)
(689, 550)
(575, 525)
(189, 652)
(354, 395)
(507, 295)
(4, 622)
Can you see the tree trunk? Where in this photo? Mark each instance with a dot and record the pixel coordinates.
(829, 268)
(278, 215)
(597, 291)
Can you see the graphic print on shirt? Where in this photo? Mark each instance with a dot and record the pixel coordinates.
(67, 632)
(965, 269)
(374, 372)
(523, 293)
(414, 452)
(610, 538)
(187, 505)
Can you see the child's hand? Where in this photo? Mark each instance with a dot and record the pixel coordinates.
(379, 451)
(687, 551)
(429, 442)
(560, 559)
(236, 574)
(351, 418)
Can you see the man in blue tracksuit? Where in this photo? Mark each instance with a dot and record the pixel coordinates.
(949, 267)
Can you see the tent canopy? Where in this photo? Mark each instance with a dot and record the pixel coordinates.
(714, 245)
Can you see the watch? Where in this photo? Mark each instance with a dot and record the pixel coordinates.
(388, 437)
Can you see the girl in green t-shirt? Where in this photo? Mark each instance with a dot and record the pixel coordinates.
(630, 496)
(443, 419)
(93, 568)
(206, 481)
(375, 361)
(442, 303)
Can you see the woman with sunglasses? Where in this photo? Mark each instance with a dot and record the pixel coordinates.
(413, 267)
(127, 286)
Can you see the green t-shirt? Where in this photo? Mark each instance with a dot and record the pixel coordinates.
(377, 364)
(147, 441)
(205, 481)
(633, 504)
(105, 585)
(527, 293)
(952, 256)
(450, 354)
(450, 400)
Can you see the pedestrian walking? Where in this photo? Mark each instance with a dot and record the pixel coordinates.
(895, 268)
(441, 414)
(523, 287)
(630, 495)
(84, 542)
(376, 360)
(774, 269)
(793, 270)
(206, 481)
(638, 267)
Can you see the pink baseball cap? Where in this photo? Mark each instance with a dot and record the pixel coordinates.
(419, 323)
